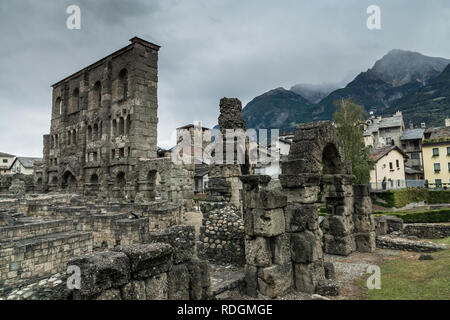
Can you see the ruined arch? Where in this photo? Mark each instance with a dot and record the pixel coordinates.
(69, 182)
(121, 180)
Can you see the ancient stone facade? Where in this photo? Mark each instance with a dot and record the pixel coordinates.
(104, 131)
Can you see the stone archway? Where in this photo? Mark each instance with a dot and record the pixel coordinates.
(69, 182)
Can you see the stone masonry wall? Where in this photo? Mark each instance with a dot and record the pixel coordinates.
(26, 260)
(222, 234)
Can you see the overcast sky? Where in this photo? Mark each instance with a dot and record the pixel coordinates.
(210, 49)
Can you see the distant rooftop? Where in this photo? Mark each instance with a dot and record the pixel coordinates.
(27, 162)
(6, 155)
(189, 126)
(378, 153)
(412, 134)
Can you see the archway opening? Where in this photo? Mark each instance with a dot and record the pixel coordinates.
(331, 160)
(69, 181)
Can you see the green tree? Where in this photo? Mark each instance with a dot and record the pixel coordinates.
(348, 118)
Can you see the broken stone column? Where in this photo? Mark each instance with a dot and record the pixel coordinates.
(268, 268)
(364, 224)
(338, 223)
(224, 183)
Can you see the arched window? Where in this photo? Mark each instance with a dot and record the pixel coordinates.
(95, 133)
(52, 143)
(100, 131)
(68, 138)
(89, 133)
(58, 105)
(114, 128)
(76, 100)
(98, 94)
(74, 137)
(123, 84)
(120, 180)
(121, 126)
(128, 124)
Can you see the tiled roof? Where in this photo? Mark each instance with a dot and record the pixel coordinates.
(378, 153)
(27, 162)
(412, 134)
(6, 155)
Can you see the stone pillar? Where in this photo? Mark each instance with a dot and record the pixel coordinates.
(338, 223)
(364, 224)
(268, 268)
(302, 228)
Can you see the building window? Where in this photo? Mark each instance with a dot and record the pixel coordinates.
(437, 167)
(59, 105)
(123, 80)
(76, 100)
(113, 154)
(98, 94)
(391, 167)
(438, 183)
(398, 164)
(122, 152)
(389, 141)
(435, 152)
(449, 167)
(448, 151)
(5, 160)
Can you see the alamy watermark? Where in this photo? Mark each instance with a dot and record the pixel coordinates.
(374, 281)
(73, 22)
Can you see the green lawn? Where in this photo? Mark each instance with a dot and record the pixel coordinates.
(407, 279)
(444, 241)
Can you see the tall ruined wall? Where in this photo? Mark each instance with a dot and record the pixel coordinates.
(104, 118)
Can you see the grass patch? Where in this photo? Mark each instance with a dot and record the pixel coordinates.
(427, 216)
(442, 241)
(406, 279)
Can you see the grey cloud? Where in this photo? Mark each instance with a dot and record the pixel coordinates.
(210, 49)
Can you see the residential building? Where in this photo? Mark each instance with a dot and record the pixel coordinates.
(200, 139)
(24, 165)
(411, 141)
(380, 132)
(6, 161)
(436, 156)
(201, 178)
(389, 170)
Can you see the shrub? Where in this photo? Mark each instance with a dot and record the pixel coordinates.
(400, 198)
(428, 216)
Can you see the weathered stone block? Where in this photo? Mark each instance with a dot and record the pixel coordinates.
(328, 288)
(281, 248)
(269, 223)
(265, 199)
(147, 260)
(305, 247)
(199, 279)
(363, 223)
(178, 282)
(307, 276)
(156, 287)
(257, 252)
(102, 271)
(329, 270)
(134, 290)
(394, 223)
(111, 294)
(363, 206)
(339, 245)
(276, 280)
(381, 226)
(251, 280)
(365, 242)
(181, 238)
(301, 217)
(306, 195)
